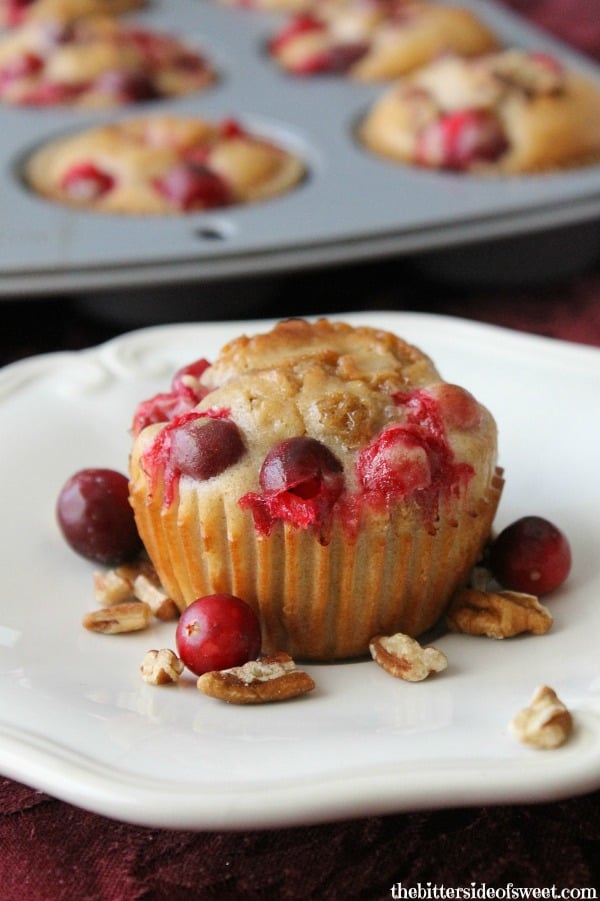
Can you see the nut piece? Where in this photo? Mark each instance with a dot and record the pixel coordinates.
(404, 658)
(497, 614)
(545, 723)
(130, 616)
(147, 588)
(112, 587)
(135, 581)
(270, 678)
(161, 667)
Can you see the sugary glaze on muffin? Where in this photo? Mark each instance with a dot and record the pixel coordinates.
(505, 113)
(16, 12)
(96, 62)
(378, 40)
(162, 164)
(323, 442)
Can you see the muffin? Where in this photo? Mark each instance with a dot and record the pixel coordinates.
(379, 40)
(161, 165)
(17, 12)
(505, 113)
(323, 473)
(96, 62)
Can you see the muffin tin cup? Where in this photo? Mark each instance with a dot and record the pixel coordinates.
(352, 205)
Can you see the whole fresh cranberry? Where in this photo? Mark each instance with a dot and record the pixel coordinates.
(95, 516)
(203, 448)
(302, 466)
(397, 463)
(530, 555)
(461, 138)
(216, 632)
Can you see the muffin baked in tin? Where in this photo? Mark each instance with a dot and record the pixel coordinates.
(97, 62)
(508, 113)
(17, 12)
(378, 40)
(162, 165)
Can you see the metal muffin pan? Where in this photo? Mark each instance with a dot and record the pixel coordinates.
(352, 205)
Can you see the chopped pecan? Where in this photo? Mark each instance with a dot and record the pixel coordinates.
(147, 588)
(270, 678)
(161, 667)
(111, 587)
(137, 580)
(404, 658)
(130, 616)
(545, 723)
(497, 614)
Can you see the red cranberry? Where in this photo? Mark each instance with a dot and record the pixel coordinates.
(397, 463)
(302, 466)
(299, 25)
(187, 375)
(203, 448)
(194, 186)
(95, 516)
(16, 11)
(459, 139)
(184, 395)
(458, 407)
(217, 632)
(21, 67)
(335, 60)
(231, 128)
(86, 181)
(126, 87)
(530, 555)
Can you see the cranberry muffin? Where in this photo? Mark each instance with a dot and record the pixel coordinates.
(378, 40)
(161, 165)
(17, 12)
(506, 113)
(323, 473)
(96, 62)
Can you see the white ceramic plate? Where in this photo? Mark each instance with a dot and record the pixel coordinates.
(76, 719)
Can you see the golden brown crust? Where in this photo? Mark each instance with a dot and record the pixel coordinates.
(136, 153)
(83, 68)
(395, 38)
(549, 117)
(66, 10)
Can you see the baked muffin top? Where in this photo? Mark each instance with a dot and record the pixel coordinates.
(17, 12)
(162, 164)
(96, 62)
(507, 113)
(378, 40)
(313, 417)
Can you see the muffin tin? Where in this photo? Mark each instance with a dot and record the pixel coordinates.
(351, 206)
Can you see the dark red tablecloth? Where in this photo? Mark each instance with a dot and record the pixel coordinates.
(52, 850)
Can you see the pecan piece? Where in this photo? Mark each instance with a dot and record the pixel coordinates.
(161, 667)
(404, 658)
(274, 677)
(497, 614)
(545, 723)
(112, 587)
(147, 588)
(130, 616)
